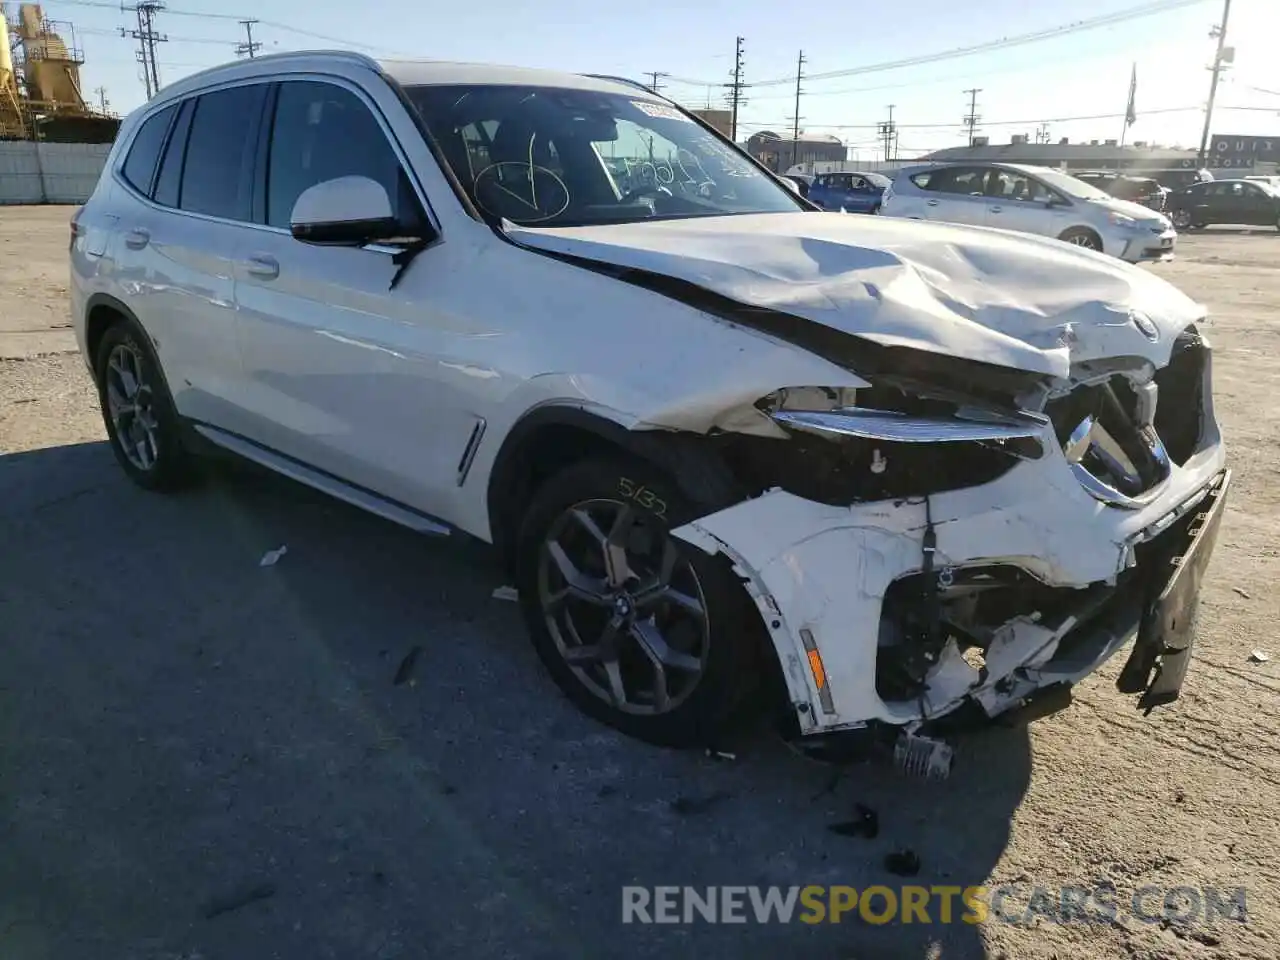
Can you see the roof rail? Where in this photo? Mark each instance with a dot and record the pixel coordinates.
(626, 80)
(350, 55)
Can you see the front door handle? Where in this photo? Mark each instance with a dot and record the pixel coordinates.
(996, 209)
(931, 203)
(262, 266)
(137, 238)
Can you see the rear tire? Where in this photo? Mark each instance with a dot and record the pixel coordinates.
(142, 424)
(672, 665)
(1181, 220)
(1082, 237)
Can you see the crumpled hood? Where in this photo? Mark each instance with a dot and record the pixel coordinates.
(1015, 300)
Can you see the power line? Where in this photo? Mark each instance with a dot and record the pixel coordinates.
(1003, 123)
(971, 118)
(1120, 16)
(249, 46)
(1219, 62)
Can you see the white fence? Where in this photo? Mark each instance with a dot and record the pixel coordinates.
(49, 172)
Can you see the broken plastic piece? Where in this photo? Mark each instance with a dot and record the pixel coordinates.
(272, 557)
(1259, 656)
(506, 593)
(922, 757)
(721, 754)
(903, 863)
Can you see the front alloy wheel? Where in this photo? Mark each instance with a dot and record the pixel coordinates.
(1181, 219)
(640, 630)
(625, 612)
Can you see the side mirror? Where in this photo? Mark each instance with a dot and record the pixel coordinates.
(348, 211)
(791, 185)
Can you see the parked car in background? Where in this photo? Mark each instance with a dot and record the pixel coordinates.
(1144, 190)
(1030, 199)
(802, 182)
(889, 471)
(1271, 181)
(1248, 202)
(851, 192)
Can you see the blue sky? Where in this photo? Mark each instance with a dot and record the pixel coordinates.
(1081, 74)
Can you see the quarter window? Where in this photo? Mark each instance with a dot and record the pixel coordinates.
(216, 173)
(322, 132)
(169, 180)
(140, 165)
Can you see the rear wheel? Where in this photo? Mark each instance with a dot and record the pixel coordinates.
(639, 629)
(1181, 219)
(137, 411)
(1083, 237)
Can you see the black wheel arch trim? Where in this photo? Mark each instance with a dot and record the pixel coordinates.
(699, 472)
(97, 300)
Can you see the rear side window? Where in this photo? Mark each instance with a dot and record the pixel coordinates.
(321, 132)
(216, 173)
(923, 180)
(169, 179)
(140, 165)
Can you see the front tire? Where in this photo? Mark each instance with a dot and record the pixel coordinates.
(1082, 237)
(141, 421)
(639, 629)
(1181, 220)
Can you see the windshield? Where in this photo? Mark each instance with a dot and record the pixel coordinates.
(544, 156)
(1071, 186)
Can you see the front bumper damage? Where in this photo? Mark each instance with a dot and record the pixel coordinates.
(1075, 579)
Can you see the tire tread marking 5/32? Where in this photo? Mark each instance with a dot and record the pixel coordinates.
(643, 496)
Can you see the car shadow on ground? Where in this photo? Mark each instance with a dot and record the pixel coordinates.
(206, 757)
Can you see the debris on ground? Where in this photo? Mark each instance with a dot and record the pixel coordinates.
(691, 806)
(902, 863)
(721, 754)
(272, 557)
(506, 593)
(1259, 656)
(239, 898)
(866, 823)
(405, 671)
(1241, 591)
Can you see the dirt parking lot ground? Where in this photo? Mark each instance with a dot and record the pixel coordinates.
(202, 758)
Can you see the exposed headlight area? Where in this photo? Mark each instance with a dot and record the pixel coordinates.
(846, 446)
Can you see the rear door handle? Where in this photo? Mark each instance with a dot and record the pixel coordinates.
(931, 203)
(997, 209)
(262, 266)
(137, 238)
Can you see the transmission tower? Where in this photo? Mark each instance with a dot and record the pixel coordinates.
(145, 34)
(972, 117)
(250, 46)
(103, 102)
(795, 121)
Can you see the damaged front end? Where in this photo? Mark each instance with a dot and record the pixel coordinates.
(959, 536)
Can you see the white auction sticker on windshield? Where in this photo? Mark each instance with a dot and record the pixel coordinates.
(659, 110)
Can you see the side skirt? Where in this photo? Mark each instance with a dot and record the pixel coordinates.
(324, 482)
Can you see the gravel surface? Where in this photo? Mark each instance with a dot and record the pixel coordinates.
(204, 758)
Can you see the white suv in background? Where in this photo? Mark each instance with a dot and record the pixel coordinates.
(719, 438)
(1029, 199)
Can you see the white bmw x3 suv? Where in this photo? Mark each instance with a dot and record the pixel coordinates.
(1028, 199)
(721, 440)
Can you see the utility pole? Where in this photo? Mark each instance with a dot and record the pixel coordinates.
(1219, 59)
(795, 125)
(103, 102)
(972, 117)
(147, 38)
(655, 86)
(887, 131)
(1042, 133)
(249, 46)
(735, 90)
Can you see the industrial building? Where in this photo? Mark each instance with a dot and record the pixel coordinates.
(40, 93)
(1227, 156)
(780, 153)
(719, 120)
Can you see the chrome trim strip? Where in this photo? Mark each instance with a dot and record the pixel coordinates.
(890, 425)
